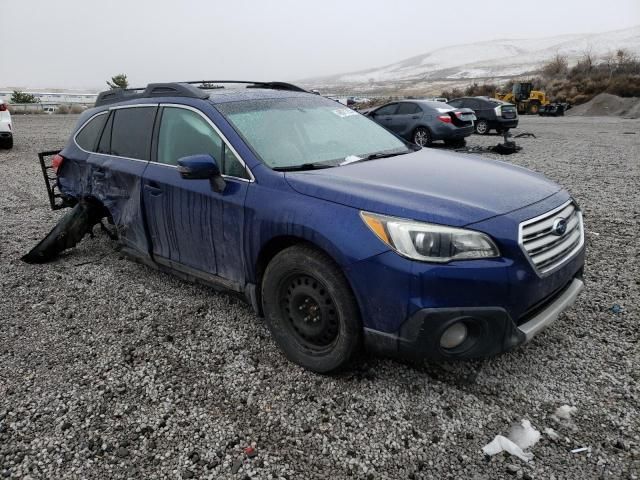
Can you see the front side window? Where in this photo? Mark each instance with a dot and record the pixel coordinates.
(87, 138)
(387, 109)
(131, 132)
(184, 132)
(295, 131)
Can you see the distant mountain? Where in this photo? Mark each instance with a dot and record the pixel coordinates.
(495, 60)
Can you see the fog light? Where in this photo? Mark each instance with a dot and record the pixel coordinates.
(454, 335)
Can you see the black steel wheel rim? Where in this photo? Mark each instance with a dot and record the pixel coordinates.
(309, 312)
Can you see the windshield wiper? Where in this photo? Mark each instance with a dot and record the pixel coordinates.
(304, 166)
(377, 155)
(372, 156)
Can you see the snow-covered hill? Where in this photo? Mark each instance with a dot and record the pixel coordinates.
(492, 59)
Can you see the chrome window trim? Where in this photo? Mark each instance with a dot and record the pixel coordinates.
(109, 111)
(548, 214)
(174, 105)
(222, 137)
(75, 139)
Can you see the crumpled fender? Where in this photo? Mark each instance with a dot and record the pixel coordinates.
(68, 232)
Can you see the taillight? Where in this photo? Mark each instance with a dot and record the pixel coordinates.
(3, 107)
(444, 118)
(56, 163)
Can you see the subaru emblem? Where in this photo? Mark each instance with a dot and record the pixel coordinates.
(559, 226)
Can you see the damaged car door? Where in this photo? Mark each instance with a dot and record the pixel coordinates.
(116, 170)
(193, 227)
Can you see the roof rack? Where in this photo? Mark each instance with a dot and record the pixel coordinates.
(250, 84)
(183, 89)
(151, 90)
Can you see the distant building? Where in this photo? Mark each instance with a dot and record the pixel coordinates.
(56, 98)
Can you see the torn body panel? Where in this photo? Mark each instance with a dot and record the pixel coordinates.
(67, 233)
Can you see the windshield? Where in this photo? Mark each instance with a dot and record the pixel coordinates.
(289, 132)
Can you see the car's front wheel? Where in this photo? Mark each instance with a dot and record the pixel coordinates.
(422, 137)
(310, 310)
(482, 127)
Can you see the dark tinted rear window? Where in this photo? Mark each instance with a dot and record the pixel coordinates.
(105, 140)
(88, 136)
(131, 132)
(407, 109)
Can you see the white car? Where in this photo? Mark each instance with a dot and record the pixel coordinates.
(6, 129)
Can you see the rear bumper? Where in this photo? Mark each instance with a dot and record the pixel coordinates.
(450, 132)
(491, 330)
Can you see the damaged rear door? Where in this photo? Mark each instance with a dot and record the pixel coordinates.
(116, 171)
(192, 227)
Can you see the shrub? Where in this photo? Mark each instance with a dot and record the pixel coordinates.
(625, 86)
(77, 109)
(63, 109)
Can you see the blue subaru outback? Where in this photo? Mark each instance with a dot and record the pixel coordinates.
(336, 231)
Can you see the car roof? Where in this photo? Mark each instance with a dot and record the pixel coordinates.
(225, 95)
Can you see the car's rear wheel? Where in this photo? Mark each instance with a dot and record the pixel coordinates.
(422, 137)
(310, 309)
(6, 143)
(482, 127)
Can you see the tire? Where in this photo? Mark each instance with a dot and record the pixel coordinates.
(533, 108)
(310, 309)
(422, 137)
(482, 127)
(7, 143)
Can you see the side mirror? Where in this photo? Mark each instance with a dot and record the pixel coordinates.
(202, 167)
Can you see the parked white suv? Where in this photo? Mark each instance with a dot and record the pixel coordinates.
(6, 132)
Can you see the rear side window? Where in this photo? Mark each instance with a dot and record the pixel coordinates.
(88, 136)
(104, 146)
(131, 132)
(407, 109)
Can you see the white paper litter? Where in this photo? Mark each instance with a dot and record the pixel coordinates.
(581, 449)
(524, 435)
(503, 444)
(350, 159)
(552, 434)
(565, 411)
(521, 437)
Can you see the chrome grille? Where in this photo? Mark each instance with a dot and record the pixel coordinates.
(543, 242)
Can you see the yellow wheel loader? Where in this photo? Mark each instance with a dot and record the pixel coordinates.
(525, 98)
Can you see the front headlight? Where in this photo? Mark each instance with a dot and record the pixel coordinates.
(429, 242)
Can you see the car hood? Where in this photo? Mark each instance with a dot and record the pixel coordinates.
(428, 185)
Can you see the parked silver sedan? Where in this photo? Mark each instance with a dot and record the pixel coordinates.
(423, 121)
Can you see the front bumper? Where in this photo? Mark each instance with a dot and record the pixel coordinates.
(490, 330)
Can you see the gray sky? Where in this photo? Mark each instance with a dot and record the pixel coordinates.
(81, 43)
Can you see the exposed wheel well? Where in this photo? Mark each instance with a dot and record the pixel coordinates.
(270, 250)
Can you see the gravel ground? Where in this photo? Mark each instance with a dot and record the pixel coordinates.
(109, 369)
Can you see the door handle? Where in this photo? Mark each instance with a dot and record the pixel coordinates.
(153, 189)
(415, 117)
(99, 174)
